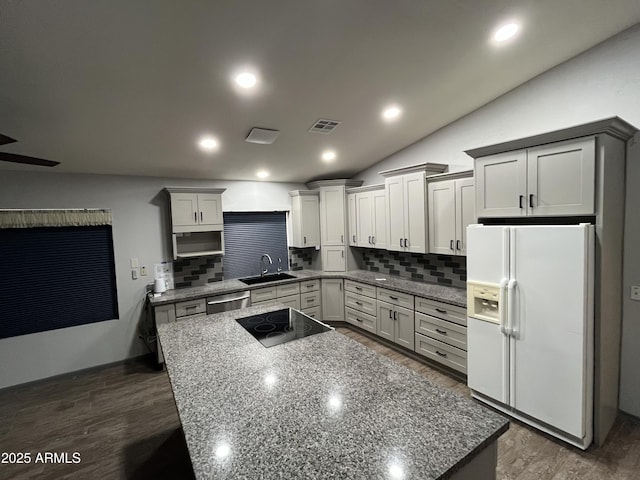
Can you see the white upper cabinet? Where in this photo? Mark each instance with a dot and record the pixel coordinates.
(196, 221)
(552, 179)
(305, 218)
(352, 219)
(332, 215)
(406, 209)
(451, 206)
(195, 209)
(368, 216)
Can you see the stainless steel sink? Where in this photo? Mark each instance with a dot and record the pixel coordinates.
(267, 278)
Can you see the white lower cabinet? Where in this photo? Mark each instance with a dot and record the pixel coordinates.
(441, 333)
(332, 300)
(396, 323)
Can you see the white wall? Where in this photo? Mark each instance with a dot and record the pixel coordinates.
(140, 229)
(602, 82)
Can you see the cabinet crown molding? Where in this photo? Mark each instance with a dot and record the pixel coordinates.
(171, 190)
(332, 183)
(614, 126)
(298, 193)
(450, 175)
(427, 167)
(366, 188)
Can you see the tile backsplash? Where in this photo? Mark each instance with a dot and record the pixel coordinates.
(197, 271)
(300, 258)
(444, 269)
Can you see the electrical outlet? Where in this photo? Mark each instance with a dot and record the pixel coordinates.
(635, 293)
(143, 271)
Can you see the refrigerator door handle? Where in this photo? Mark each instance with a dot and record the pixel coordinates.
(502, 310)
(511, 300)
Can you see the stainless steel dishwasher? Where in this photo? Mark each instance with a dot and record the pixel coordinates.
(228, 301)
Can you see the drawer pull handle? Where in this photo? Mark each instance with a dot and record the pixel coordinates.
(394, 315)
(393, 298)
(358, 319)
(358, 288)
(441, 354)
(310, 299)
(440, 310)
(441, 332)
(309, 286)
(359, 303)
(191, 306)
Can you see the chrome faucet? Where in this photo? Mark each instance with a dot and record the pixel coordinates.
(279, 265)
(266, 269)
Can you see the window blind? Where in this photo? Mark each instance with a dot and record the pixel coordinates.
(247, 235)
(56, 277)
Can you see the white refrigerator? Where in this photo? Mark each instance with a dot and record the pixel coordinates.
(530, 325)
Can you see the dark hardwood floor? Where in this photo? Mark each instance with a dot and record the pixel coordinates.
(123, 421)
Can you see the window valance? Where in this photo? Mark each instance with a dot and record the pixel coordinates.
(54, 218)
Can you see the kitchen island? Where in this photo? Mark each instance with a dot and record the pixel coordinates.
(320, 407)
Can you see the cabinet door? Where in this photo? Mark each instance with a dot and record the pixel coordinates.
(561, 178)
(333, 259)
(415, 214)
(501, 184)
(386, 323)
(394, 212)
(365, 221)
(442, 217)
(404, 329)
(332, 300)
(210, 209)
(310, 220)
(184, 209)
(465, 212)
(353, 219)
(379, 217)
(332, 215)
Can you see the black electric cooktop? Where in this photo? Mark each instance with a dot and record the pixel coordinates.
(281, 326)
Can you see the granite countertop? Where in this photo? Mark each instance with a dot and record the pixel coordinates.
(322, 407)
(433, 291)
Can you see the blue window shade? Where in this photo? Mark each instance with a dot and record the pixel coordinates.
(56, 277)
(247, 236)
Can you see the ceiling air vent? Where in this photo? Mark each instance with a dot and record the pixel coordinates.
(324, 126)
(263, 136)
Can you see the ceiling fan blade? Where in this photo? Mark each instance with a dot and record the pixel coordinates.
(15, 158)
(4, 139)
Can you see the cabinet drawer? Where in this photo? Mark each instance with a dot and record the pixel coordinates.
(266, 303)
(441, 352)
(189, 317)
(313, 312)
(359, 319)
(447, 332)
(289, 289)
(263, 294)
(309, 286)
(395, 298)
(360, 303)
(361, 288)
(309, 299)
(191, 307)
(441, 310)
(292, 301)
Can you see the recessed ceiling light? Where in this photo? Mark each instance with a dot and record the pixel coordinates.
(328, 156)
(506, 32)
(246, 80)
(262, 174)
(208, 143)
(391, 113)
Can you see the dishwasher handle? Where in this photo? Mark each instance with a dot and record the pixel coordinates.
(228, 300)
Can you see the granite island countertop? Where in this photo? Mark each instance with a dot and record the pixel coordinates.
(321, 407)
(443, 293)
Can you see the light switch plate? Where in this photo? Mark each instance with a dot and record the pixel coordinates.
(134, 263)
(635, 292)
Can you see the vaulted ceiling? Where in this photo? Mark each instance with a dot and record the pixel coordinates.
(130, 86)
